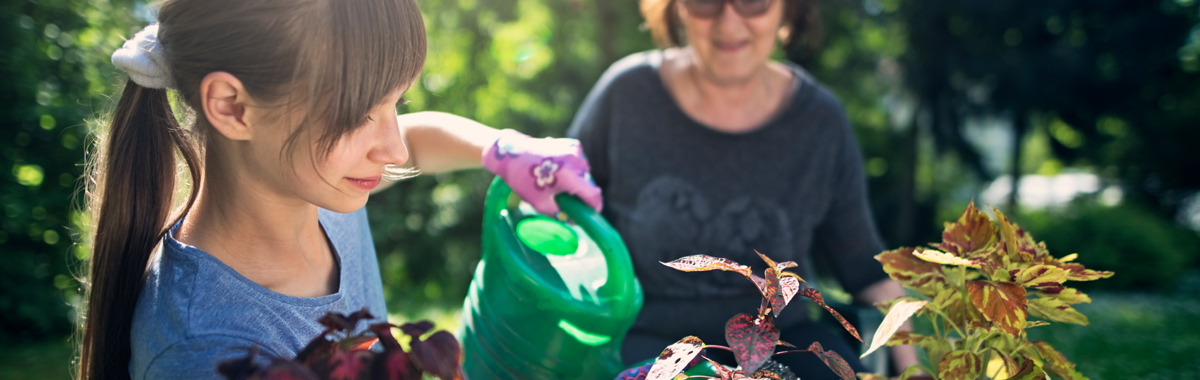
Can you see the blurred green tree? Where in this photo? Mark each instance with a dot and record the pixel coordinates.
(1114, 83)
(55, 71)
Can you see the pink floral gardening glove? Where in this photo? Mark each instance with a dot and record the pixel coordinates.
(537, 169)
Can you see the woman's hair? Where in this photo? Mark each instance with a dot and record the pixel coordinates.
(801, 23)
(333, 59)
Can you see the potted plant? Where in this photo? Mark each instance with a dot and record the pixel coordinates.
(980, 289)
(751, 337)
(337, 353)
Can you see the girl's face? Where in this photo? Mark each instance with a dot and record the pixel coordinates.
(728, 46)
(341, 180)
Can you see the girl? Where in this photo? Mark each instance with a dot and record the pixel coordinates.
(294, 124)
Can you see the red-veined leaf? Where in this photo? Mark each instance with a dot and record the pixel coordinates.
(416, 329)
(286, 370)
(439, 355)
(1001, 303)
(895, 317)
(833, 361)
(914, 273)
(701, 263)
(971, 234)
(812, 294)
(343, 365)
(395, 365)
(752, 340)
(960, 365)
(675, 358)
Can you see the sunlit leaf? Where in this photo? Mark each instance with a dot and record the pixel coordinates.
(972, 233)
(960, 365)
(812, 293)
(675, 358)
(870, 376)
(833, 360)
(935, 256)
(899, 313)
(912, 272)
(1001, 303)
(1009, 240)
(1056, 310)
(1056, 364)
(752, 340)
(911, 371)
(1039, 276)
(701, 263)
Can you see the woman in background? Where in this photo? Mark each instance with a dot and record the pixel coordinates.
(710, 147)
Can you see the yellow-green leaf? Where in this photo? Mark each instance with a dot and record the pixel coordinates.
(895, 317)
(1040, 276)
(960, 365)
(1056, 310)
(935, 256)
(1070, 296)
(901, 338)
(1001, 303)
(1056, 364)
(1001, 366)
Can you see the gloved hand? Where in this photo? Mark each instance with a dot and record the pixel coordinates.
(537, 169)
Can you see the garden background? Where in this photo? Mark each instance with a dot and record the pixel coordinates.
(1093, 106)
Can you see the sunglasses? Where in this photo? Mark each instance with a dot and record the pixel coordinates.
(712, 8)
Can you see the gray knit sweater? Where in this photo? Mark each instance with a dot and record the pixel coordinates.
(674, 187)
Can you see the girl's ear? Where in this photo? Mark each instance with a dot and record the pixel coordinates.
(224, 100)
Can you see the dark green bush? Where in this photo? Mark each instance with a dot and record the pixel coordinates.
(1146, 250)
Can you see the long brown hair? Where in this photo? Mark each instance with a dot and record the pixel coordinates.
(801, 23)
(336, 59)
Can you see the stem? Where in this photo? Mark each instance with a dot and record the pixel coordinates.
(949, 321)
(718, 346)
(789, 352)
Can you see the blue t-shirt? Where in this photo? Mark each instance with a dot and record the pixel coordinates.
(194, 311)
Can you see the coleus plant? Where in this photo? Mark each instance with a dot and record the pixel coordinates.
(339, 354)
(980, 286)
(751, 338)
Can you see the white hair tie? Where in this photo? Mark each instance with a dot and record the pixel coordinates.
(142, 57)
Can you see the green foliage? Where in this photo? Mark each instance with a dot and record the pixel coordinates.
(54, 65)
(1151, 252)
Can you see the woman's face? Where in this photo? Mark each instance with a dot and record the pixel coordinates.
(730, 47)
(341, 180)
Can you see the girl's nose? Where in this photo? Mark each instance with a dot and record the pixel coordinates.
(389, 146)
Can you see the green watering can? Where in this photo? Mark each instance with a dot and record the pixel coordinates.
(549, 300)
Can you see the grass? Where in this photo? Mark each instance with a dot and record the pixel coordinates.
(48, 359)
(1132, 335)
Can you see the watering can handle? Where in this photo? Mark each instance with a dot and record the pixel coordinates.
(616, 256)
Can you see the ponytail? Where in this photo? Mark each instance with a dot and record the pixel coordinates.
(134, 179)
